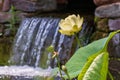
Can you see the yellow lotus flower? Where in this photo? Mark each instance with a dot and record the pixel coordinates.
(71, 25)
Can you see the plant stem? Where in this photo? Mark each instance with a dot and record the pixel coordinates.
(110, 75)
(68, 76)
(78, 41)
(13, 20)
(59, 66)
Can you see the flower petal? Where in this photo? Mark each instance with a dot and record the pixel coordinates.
(72, 19)
(66, 27)
(69, 33)
(70, 25)
(79, 21)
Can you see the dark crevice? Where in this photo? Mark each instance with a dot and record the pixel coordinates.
(78, 6)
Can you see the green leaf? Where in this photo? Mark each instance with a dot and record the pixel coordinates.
(79, 59)
(96, 68)
(93, 56)
(109, 38)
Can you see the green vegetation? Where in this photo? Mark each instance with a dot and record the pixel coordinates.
(13, 20)
(91, 62)
(5, 49)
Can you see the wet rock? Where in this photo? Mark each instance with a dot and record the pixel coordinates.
(33, 0)
(102, 25)
(7, 17)
(114, 24)
(108, 11)
(62, 1)
(34, 5)
(1, 30)
(1, 3)
(103, 2)
(19, 16)
(4, 17)
(22, 15)
(6, 5)
(114, 46)
(98, 35)
(7, 32)
(114, 67)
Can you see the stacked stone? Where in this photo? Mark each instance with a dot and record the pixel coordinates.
(108, 19)
(22, 8)
(107, 16)
(4, 16)
(109, 9)
(25, 6)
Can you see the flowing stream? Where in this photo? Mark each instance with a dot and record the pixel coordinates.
(30, 57)
(32, 39)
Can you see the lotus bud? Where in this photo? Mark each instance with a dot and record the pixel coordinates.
(64, 68)
(50, 49)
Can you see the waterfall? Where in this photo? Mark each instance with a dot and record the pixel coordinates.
(30, 58)
(32, 39)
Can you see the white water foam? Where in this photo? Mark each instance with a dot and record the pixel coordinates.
(24, 71)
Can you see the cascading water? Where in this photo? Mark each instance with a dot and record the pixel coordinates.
(31, 41)
(33, 37)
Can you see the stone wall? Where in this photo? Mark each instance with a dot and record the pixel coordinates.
(107, 18)
(19, 9)
(25, 7)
